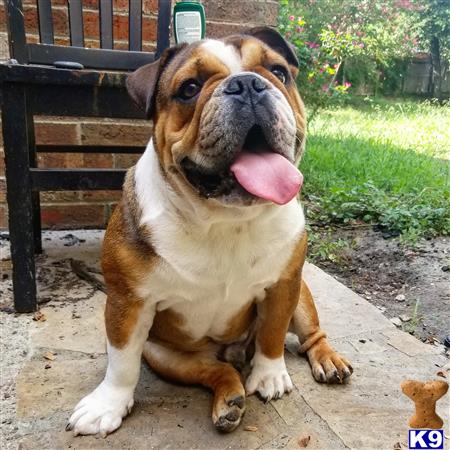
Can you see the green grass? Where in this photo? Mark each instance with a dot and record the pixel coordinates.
(380, 162)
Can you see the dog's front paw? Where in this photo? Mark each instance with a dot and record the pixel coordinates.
(269, 378)
(101, 411)
(327, 366)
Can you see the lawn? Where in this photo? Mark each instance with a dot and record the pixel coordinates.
(380, 162)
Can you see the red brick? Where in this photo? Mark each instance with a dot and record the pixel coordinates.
(60, 20)
(125, 161)
(60, 160)
(148, 46)
(242, 11)
(3, 217)
(2, 190)
(98, 160)
(108, 133)
(120, 26)
(73, 216)
(149, 27)
(2, 17)
(101, 196)
(56, 133)
(148, 6)
(59, 196)
(219, 29)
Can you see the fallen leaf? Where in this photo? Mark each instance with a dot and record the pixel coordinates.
(39, 316)
(250, 428)
(48, 366)
(303, 440)
(49, 355)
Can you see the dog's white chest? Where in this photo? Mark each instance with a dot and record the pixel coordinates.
(209, 277)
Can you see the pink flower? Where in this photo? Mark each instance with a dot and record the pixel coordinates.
(291, 18)
(361, 45)
(325, 87)
(347, 84)
(312, 44)
(299, 29)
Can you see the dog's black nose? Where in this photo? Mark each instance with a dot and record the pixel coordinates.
(245, 86)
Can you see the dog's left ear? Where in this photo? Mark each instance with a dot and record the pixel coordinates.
(275, 41)
(142, 84)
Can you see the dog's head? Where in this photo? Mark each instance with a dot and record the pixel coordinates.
(229, 123)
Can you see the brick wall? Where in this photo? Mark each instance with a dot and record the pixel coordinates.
(78, 209)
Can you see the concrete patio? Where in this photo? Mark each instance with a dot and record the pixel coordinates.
(50, 363)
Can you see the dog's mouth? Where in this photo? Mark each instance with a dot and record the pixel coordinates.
(256, 170)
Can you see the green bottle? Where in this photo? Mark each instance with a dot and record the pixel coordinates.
(189, 21)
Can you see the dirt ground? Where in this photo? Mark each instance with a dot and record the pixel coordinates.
(410, 285)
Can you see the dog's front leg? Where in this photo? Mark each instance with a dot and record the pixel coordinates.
(327, 366)
(269, 376)
(128, 322)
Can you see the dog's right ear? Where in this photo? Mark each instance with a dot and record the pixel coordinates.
(142, 84)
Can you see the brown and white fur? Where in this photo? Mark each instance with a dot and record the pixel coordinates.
(195, 276)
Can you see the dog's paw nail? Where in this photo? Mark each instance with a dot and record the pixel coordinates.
(68, 426)
(239, 401)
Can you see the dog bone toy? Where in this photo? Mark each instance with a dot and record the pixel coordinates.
(425, 395)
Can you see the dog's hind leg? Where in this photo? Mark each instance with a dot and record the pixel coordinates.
(202, 367)
(326, 364)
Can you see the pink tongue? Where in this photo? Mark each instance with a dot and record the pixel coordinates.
(267, 175)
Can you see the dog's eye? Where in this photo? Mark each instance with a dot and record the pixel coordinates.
(189, 89)
(280, 72)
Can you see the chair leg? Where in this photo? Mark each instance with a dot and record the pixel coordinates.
(37, 233)
(19, 196)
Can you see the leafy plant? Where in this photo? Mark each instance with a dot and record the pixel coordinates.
(416, 319)
(381, 163)
(323, 247)
(371, 35)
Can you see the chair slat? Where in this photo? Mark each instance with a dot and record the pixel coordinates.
(74, 179)
(16, 30)
(90, 149)
(90, 57)
(164, 15)
(106, 24)
(45, 21)
(135, 25)
(76, 23)
(84, 101)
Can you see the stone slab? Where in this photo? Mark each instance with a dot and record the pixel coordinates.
(368, 412)
(75, 326)
(342, 312)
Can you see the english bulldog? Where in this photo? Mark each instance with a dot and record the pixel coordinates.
(203, 256)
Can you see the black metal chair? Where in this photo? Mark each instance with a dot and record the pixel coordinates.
(52, 80)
